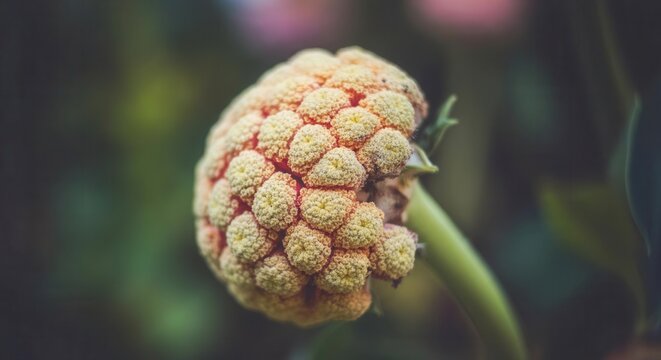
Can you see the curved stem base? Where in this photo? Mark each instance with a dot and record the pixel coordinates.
(466, 276)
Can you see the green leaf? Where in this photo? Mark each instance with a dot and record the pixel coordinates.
(418, 164)
(542, 271)
(433, 134)
(593, 221)
(643, 180)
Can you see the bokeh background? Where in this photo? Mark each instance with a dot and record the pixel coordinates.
(105, 106)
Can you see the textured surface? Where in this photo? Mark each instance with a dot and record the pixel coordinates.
(279, 214)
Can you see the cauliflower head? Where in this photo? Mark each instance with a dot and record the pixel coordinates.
(288, 191)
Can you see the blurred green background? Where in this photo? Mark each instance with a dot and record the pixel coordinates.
(105, 107)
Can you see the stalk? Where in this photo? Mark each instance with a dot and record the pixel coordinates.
(467, 277)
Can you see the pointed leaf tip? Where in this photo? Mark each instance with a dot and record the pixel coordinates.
(435, 131)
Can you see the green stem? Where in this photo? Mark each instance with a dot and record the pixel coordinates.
(466, 276)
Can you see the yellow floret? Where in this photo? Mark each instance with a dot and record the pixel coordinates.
(397, 80)
(221, 206)
(275, 275)
(289, 93)
(326, 209)
(393, 255)
(356, 79)
(234, 271)
(354, 125)
(307, 249)
(386, 153)
(246, 173)
(202, 190)
(339, 167)
(393, 108)
(274, 205)
(308, 146)
(364, 227)
(322, 104)
(208, 239)
(315, 62)
(390, 75)
(344, 307)
(248, 241)
(240, 136)
(215, 159)
(252, 99)
(278, 74)
(346, 272)
(292, 308)
(283, 308)
(249, 297)
(276, 131)
(359, 56)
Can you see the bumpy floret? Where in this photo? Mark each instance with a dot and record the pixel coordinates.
(289, 196)
(322, 104)
(202, 188)
(393, 255)
(277, 74)
(234, 271)
(274, 274)
(274, 136)
(316, 62)
(307, 249)
(240, 136)
(354, 125)
(246, 173)
(275, 202)
(385, 154)
(326, 209)
(221, 206)
(362, 229)
(248, 241)
(357, 56)
(338, 168)
(252, 99)
(308, 146)
(208, 239)
(355, 79)
(391, 76)
(346, 272)
(289, 93)
(393, 108)
(344, 306)
(215, 160)
(398, 81)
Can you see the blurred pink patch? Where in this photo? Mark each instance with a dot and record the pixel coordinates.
(637, 351)
(475, 17)
(284, 25)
